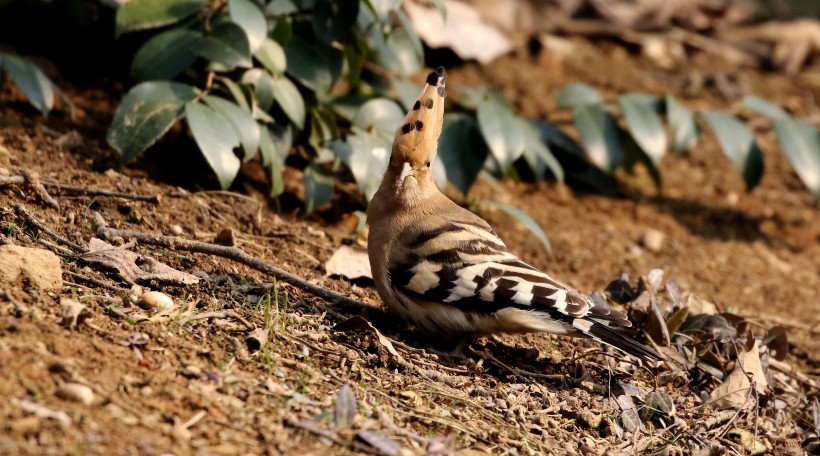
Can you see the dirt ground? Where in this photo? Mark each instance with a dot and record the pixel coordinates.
(172, 384)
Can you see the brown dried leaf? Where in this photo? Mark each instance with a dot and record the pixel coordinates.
(350, 262)
(698, 305)
(777, 342)
(660, 401)
(674, 322)
(656, 326)
(380, 442)
(345, 412)
(629, 413)
(735, 392)
(132, 266)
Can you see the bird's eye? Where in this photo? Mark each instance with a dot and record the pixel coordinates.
(427, 164)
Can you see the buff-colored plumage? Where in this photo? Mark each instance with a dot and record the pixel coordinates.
(443, 269)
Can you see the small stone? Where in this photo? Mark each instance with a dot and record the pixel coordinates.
(76, 392)
(191, 371)
(155, 300)
(176, 230)
(652, 240)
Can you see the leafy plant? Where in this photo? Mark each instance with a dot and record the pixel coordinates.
(262, 76)
(644, 139)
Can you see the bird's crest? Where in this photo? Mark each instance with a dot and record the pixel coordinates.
(418, 135)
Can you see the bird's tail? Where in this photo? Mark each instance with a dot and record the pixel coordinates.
(609, 336)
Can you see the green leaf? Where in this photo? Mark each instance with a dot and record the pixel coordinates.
(635, 154)
(800, 141)
(381, 114)
(577, 95)
(644, 125)
(290, 100)
(682, 123)
(334, 19)
(574, 161)
(318, 187)
(500, 129)
(227, 45)
(146, 112)
(600, 134)
(272, 56)
(248, 16)
(216, 139)
(242, 121)
(322, 127)
(308, 66)
(738, 143)
(148, 14)
(764, 107)
(401, 53)
(367, 159)
(263, 86)
(236, 92)
(526, 220)
(462, 149)
(165, 55)
(537, 153)
(35, 85)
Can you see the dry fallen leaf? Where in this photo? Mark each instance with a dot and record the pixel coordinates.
(350, 262)
(736, 390)
(345, 412)
(132, 266)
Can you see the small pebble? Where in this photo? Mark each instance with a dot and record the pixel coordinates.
(155, 300)
(76, 392)
(191, 371)
(652, 240)
(176, 230)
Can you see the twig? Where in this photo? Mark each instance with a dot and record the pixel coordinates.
(220, 314)
(231, 253)
(98, 192)
(21, 211)
(93, 281)
(54, 248)
(33, 180)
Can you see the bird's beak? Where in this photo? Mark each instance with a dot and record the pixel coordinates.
(405, 171)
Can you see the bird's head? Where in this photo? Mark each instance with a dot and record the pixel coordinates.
(416, 142)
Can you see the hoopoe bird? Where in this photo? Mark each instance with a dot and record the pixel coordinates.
(443, 269)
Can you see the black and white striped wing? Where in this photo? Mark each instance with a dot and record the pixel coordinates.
(466, 265)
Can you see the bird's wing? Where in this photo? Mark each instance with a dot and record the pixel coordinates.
(465, 264)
